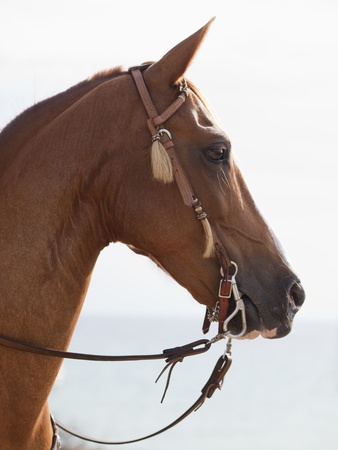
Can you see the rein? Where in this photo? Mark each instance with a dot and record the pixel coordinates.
(214, 382)
(227, 288)
(172, 356)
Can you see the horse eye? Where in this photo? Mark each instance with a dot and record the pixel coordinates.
(217, 153)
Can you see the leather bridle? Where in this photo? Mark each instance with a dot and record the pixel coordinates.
(228, 268)
(227, 288)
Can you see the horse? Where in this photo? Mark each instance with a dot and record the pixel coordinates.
(95, 165)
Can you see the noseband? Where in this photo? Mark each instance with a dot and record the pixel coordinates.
(227, 287)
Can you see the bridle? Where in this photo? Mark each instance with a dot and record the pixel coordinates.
(227, 288)
(229, 269)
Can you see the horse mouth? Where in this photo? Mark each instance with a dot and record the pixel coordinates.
(255, 322)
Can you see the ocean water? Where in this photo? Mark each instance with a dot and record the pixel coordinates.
(277, 395)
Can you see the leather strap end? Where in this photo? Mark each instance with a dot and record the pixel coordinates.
(206, 322)
(223, 310)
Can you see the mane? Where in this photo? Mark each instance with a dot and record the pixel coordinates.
(29, 122)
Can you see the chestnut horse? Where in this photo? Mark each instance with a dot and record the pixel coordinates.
(76, 175)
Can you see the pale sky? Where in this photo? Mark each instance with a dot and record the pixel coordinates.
(269, 70)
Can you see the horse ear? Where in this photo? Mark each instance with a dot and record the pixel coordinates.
(173, 65)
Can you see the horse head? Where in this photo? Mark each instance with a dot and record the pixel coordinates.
(154, 221)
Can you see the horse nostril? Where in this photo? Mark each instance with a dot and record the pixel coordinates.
(297, 294)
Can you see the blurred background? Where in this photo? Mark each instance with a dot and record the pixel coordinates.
(269, 70)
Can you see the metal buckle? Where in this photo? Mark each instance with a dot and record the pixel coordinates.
(160, 133)
(183, 87)
(230, 281)
(220, 290)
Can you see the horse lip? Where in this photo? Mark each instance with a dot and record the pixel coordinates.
(247, 299)
(254, 313)
(257, 323)
(253, 318)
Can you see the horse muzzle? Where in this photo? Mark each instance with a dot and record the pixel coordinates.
(267, 319)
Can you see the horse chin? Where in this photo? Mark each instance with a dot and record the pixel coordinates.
(255, 323)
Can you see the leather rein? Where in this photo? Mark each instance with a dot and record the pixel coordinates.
(227, 288)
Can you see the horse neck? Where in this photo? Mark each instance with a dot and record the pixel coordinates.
(44, 279)
(15, 135)
(52, 232)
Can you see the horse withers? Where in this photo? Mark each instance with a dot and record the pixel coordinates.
(97, 164)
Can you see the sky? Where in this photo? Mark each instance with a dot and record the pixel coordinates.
(269, 70)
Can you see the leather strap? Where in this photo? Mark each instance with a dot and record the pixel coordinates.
(214, 382)
(168, 354)
(156, 119)
(169, 111)
(225, 285)
(171, 355)
(219, 313)
(154, 122)
(143, 91)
